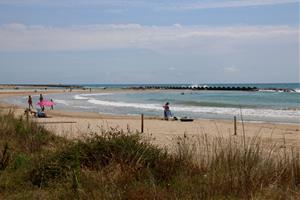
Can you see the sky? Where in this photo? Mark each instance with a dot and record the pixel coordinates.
(157, 41)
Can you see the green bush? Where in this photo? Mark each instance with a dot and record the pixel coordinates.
(36, 164)
(24, 135)
(97, 152)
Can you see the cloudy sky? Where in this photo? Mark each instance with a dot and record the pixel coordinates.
(157, 41)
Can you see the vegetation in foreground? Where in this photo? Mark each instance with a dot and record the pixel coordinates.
(36, 164)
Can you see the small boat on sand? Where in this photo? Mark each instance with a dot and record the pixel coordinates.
(186, 119)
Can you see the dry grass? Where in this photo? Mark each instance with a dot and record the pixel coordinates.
(35, 164)
(243, 167)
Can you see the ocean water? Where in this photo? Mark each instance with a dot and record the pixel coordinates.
(263, 105)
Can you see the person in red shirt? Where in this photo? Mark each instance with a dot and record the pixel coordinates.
(30, 102)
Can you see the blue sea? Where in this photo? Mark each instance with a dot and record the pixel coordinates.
(264, 105)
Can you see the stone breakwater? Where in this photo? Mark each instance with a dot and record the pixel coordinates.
(144, 87)
(197, 88)
(212, 88)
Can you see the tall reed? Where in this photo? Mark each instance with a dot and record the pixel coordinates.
(240, 166)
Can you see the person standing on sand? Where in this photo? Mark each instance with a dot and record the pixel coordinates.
(167, 112)
(41, 99)
(52, 105)
(30, 102)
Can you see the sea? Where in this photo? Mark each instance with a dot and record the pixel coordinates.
(265, 105)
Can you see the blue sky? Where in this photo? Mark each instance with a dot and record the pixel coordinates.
(138, 41)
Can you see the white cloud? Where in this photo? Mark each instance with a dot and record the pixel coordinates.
(177, 25)
(19, 37)
(231, 69)
(197, 5)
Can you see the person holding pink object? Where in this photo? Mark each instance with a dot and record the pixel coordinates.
(46, 103)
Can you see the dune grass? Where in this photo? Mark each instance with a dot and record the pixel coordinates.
(36, 164)
(246, 168)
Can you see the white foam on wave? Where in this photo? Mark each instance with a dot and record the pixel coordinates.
(266, 90)
(125, 104)
(236, 111)
(59, 101)
(83, 107)
(292, 114)
(86, 96)
(297, 90)
(80, 97)
(96, 94)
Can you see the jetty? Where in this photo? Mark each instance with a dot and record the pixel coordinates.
(149, 87)
(170, 87)
(216, 88)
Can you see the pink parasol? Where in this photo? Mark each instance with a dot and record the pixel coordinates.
(45, 103)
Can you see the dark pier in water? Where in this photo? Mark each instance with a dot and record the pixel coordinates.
(216, 88)
(196, 88)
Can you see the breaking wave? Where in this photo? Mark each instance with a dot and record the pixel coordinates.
(204, 110)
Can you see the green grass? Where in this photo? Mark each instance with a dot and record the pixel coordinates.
(36, 164)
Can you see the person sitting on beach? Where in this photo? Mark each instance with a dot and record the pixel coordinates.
(40, 113)
(167, 112)
(30, 102)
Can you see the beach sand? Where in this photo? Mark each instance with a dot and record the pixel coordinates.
(163, 133)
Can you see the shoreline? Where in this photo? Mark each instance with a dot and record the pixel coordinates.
(164, 132)
(13, 93)
(226, 116)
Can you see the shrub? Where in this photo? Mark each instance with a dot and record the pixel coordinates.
(118, 165)
(99, 151)
(26, 136)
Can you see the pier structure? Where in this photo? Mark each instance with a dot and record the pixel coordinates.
(213, 88)
(170, 87)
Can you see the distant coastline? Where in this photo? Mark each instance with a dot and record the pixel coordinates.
(17, 86)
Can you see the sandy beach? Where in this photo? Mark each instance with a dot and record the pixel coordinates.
(81, 124)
